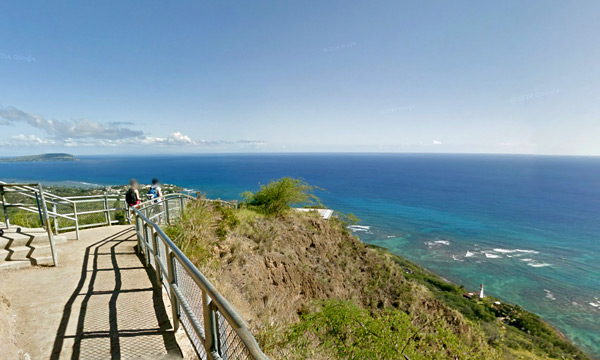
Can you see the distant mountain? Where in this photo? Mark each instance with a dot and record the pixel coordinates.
(40, 158)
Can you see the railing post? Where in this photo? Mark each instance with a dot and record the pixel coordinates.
(173, 281)
(76, 220)
(37, 201)
(147, 243)
(157, 268)
(181, 202)
(167, 211)
(107, 215)
(210, 330)
(4, 207)
(55, 219)
(138, 231)
(48, 227)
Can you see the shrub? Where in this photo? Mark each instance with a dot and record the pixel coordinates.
(278, 196)
(348, 219)
(227, 221)
(195, 230)
(343, 330)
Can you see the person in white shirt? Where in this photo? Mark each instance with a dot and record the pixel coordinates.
(155, 192)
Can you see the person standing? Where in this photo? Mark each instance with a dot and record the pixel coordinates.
(132, 197)
(155, 192)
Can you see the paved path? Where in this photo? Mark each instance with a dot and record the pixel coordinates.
(99, 303)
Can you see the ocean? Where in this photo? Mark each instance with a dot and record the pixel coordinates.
(527, 227)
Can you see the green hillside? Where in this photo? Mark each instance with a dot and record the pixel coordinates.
(41, 158)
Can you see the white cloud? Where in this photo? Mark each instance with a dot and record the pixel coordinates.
(86, 133)
(58, 129)
(251, 142)
(175, 139)
(178, 138)
(26, 140)
(437, 142)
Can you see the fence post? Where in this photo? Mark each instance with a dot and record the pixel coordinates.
(147, 243)
(37, 201)
(4, 207)
(138, 231)
(48, 227)
(107, 215)
(210, 330)
(157, 268)
(76, 220)
(55, 219)
(173, 281)
(167, 211)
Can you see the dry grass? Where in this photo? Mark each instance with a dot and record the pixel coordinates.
(273, 269)
(276, 270)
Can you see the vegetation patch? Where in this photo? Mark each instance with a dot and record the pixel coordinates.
(309, 289)
(277, 197)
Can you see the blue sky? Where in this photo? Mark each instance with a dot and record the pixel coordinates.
(99, 77)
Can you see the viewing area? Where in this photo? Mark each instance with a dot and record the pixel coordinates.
(110, 291)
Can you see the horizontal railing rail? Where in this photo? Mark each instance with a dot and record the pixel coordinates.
(66, 213)
(215, 328)
(42, 209)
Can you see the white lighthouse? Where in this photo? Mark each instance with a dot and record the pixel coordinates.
(481, 295)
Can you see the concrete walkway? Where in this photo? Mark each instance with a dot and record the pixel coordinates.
(99, 303)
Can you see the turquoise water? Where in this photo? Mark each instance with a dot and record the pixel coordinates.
(527, 227)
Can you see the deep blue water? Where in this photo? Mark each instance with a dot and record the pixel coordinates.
(528, 227)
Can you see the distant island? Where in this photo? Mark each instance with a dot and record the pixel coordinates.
(40, 158)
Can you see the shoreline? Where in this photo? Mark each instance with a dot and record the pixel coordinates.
(76, 185)
(580, 307)
(412, 266)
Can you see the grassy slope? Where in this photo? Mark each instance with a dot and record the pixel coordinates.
(309, 289)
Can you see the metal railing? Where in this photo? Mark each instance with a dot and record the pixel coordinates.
(215, 328)
(87, 211)
(42, 209)
(57, 213)
(66, 213)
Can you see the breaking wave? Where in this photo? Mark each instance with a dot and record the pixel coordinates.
(355, 228)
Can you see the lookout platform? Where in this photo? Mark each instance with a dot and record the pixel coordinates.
(101, 302)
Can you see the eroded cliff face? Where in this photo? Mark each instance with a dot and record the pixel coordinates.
(304, 258)
(274, 269)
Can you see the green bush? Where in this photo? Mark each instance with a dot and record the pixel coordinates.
(342, 330)
(228, 220)
(278, 196)
(348, 219)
